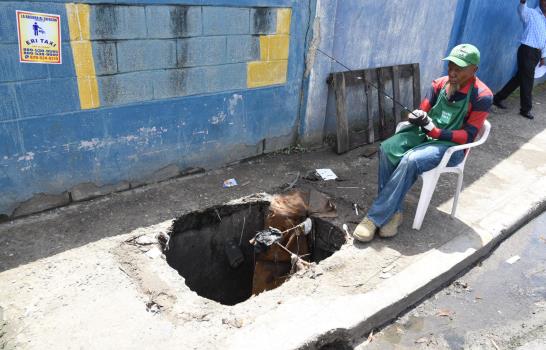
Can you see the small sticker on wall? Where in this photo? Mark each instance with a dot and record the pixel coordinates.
(39, 37)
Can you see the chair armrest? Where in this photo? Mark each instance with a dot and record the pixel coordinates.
(449, 152)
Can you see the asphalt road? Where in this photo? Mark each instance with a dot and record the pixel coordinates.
(499, 304)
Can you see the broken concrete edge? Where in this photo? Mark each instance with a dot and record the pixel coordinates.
(89, 190)
(352, 318)
(42, 202)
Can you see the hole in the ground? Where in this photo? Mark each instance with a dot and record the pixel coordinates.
(205, 245)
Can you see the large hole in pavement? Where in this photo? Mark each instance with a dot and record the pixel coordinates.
(198, 240)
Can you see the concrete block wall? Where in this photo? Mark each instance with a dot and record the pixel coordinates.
(208, 46)
(146, 90)
(401, 32)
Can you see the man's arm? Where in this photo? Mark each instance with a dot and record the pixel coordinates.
(471, 126)
(523, 11)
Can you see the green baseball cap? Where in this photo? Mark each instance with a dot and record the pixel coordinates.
(464, 55)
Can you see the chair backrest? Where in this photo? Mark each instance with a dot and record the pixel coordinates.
(483, 134)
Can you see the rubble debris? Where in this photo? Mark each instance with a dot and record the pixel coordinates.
(154, 253)
(145, 240)
(312, 175)
(153, 307)
(461, 284)
(163, 239)
(233, 322)
(321, 206)
(445, 313)
(422, 340)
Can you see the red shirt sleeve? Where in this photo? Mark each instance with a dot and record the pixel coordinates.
(478, 110)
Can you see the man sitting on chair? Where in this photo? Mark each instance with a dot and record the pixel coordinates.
(452, 113)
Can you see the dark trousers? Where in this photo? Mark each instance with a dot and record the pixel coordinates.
(528, 58)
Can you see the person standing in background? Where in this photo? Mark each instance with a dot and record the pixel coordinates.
(531, 51)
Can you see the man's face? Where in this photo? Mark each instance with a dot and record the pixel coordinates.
(543, 6)
(458, 75)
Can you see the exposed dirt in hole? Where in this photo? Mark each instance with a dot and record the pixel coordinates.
(200, 242)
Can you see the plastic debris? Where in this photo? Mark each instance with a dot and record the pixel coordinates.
(230, 183)
(265, 239)
(326, 174)
(307, 226)
(513, 259)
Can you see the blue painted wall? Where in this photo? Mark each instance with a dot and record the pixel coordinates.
(48, 144)
(496, 29)
(372, 34)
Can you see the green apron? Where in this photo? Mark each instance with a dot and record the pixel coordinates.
(444, 114)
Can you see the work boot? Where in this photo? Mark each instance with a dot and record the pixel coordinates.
(390, 229)
(365, 231)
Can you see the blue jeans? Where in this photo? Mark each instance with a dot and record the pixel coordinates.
(395, 182)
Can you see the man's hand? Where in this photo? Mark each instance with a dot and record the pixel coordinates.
(421, 118)
(541, 62)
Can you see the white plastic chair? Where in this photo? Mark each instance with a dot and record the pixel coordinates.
(430, 178)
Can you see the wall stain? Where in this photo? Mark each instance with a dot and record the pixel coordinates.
(263, 20)
(111, 90)
(179, 21)
(106, 20)
(178, 82)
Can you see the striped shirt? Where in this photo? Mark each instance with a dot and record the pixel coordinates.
(478, 109)
(534, 27)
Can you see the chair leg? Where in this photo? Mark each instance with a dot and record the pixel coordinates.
(457, 192)
(430, 179)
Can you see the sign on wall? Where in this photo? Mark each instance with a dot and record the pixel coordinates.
(39, 37)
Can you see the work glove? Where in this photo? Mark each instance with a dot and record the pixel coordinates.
(421, 118)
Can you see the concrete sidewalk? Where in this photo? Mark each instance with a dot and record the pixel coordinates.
(69, 280)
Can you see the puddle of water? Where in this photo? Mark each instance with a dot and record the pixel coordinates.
(493, 294)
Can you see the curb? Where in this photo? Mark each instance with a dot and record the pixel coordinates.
(345, 322)
(359, 333)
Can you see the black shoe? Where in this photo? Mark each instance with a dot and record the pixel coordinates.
(499, 104)
(527, 115)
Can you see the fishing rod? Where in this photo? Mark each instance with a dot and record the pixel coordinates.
(368, 82)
